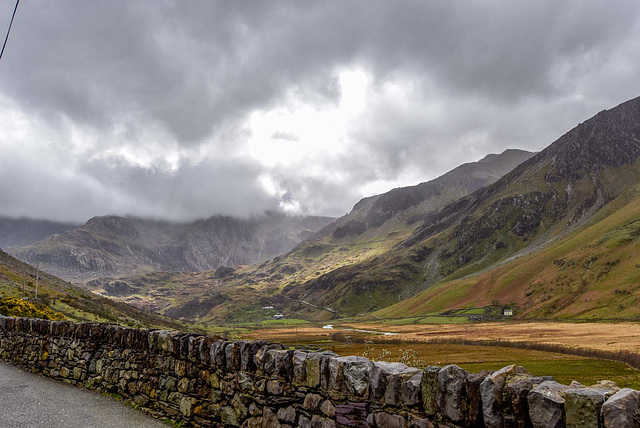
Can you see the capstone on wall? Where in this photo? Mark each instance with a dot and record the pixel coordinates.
(200, 381)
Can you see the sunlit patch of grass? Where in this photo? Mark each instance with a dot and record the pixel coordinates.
(74, 313)
(434, 319)
(585, 371)
(275, 322)
(443, 320)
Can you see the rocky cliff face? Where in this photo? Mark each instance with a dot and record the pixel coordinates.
(116, 246)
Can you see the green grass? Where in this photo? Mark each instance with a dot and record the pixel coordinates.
(473, 358)
(556, 281)
(432, 319)
(275, 323)
(585, 371)
(473, 311)
(443, 320)
(399, 321)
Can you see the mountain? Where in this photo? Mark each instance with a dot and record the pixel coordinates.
(555, 191)
(25, 231)
(113, 246)
(548, 196)
(410, 204)
(73, 302)
(373, 228)
(556, 236)
(568, 219)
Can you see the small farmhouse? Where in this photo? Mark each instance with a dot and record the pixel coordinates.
(507, 312)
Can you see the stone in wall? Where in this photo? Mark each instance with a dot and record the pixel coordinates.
(546, 405)
(582, 406)
(504, 397)
(452, 393)
(621, 409)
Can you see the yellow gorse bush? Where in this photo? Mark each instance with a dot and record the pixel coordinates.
(13, 307)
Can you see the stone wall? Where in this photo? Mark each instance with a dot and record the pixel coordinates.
(200, 381)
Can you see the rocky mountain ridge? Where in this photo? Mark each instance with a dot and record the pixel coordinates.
(113, 246)
(410, 204)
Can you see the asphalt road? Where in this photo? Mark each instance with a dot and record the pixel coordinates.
(33, 401)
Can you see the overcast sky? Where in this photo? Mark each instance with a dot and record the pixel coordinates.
(185, 109)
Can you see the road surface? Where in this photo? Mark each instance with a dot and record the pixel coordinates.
(33, 401)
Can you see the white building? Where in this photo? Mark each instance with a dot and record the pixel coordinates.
(507, 312)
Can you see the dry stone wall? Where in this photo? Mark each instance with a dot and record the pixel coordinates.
(199, 381)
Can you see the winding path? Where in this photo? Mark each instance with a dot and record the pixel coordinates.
(32, 401)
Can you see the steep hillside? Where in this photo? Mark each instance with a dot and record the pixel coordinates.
(18, 279)
(371, 229)
(547, 197)
(554, 191)
(593, 272)
(115, 246)
(25, 231)
(410, 204)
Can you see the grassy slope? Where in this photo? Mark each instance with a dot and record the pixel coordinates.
(591, 273)
(73, 302)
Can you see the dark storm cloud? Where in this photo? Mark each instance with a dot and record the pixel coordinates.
(185, 76)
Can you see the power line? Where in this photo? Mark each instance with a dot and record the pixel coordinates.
(9, 29)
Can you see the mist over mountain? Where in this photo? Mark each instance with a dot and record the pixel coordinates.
(373, 227)
(420, 239)
(24, 231)
(391, 248)
(114, 246)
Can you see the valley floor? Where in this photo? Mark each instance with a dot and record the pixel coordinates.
(423, 344)
(622, 336)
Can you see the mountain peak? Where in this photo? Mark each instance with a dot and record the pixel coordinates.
(611, 138)
(507, 154)
(112, 224)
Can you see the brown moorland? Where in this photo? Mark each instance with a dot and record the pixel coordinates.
(623, 336)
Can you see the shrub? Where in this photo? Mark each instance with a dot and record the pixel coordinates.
(13, 307)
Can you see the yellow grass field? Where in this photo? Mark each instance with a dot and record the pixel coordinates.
(419, 340)
(601, 336)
